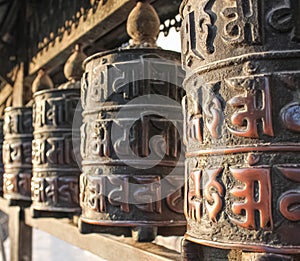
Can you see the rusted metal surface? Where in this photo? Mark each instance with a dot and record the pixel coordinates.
(242, 110)
(55, 182)
(17, 153)
(112, 85)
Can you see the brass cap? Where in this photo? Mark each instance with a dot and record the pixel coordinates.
(73, 67)
(42, 82)
(143, 24)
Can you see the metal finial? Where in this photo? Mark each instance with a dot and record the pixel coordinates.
(42, 82)
(143, 24)
(73, 68)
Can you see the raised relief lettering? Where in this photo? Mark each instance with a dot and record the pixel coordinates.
(119, 195)
(213, 111)
(55, 190)
(252, 106)
(286, 19)
(148, 196)
(213, 194)
(60, 111)
(95, 195)
(169, 133)
(253, 196)
(194, 197)
(128, 140)
(193, 121)
(16, 153)
(39, 114)
(198, 32)
(54, 150)
(101, 140)
(10, 183)
(175, 199)
(289, 202)
(55, 154)
(241, 22)
(50, 191)
(24, 182)
(11, 124)
(37, 189)
(121, 74)
(163, 75)
(38, 152)
(98, 86)
(68, 189)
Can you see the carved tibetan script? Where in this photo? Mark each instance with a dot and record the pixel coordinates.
(199, 29)
(253, 209)
(194, 198)
(289, 202)
(241, 22)
(286, 18)
(252, 106)
(213, 193)
(205, 190)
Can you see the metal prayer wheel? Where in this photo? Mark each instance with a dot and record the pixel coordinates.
(55, 181)
(131, 136)
(17, 155)
(242, 127)
(55, 148)
(1, 160)
(119, 120)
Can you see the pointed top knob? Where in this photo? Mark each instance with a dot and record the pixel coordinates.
(143, 24)
(42, 82)
(73, 68)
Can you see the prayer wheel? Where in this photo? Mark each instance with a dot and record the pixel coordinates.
(55, 170)
(55, 181)
(16, 152)
(242, 125)
(132, 116)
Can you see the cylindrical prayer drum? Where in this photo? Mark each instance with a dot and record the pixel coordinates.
(1, 159)
(55, 181)
(17, 155)
(131, 140)
(242, 124)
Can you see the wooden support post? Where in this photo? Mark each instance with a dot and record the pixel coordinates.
(20, 235)
(18, 87)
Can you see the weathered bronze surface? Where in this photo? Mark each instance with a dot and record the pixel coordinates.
(17, 154)
(112, 82)
(131, 135)
(55, 182)
(242, 131)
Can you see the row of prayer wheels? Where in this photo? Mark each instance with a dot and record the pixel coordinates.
(111, 148)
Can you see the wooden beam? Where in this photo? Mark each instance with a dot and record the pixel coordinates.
(105, 29)
(106, 246)
(18, 88)
(108, 16)
(20, 235)
(5, 93)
